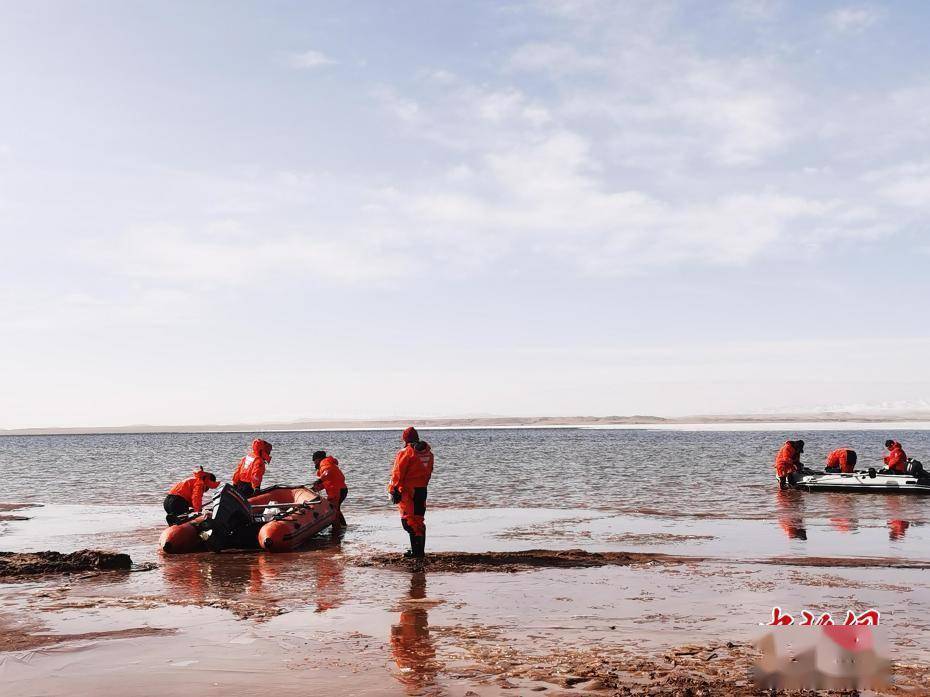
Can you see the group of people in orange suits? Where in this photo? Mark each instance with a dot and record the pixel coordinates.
(788, 460)
(410, 477)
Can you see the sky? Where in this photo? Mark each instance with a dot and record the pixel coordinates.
(219, 212)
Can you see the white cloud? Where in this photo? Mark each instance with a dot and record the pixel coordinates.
(546, 196)
(905, 185)
(853, 20)
(309, 60)
(911, 191)
(757, 9)
(663, 99)
(407, 110)
(556, 59)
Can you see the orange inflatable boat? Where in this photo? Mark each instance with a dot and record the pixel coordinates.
(277, 519)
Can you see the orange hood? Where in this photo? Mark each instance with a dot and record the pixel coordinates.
(261, 449)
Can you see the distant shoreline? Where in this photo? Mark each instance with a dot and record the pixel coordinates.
(704, 422)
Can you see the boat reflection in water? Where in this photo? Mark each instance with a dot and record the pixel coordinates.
(412, 648)
(229, 575)
(255, 583)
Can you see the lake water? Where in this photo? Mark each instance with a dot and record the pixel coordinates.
(707, 496)
(667, 473)
(598, 488)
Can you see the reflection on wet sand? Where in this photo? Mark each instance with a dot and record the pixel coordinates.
(256, 583)
(897, 526)
(843, 516)
(790, 506)
(413, 650)
(207, 575)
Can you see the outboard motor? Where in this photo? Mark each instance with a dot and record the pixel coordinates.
(232, 524)
(916, 468)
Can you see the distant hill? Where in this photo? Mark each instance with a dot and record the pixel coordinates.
(484, 422)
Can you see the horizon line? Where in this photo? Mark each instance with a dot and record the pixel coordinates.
(446, 422)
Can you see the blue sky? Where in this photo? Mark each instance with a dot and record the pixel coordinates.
(232, 211)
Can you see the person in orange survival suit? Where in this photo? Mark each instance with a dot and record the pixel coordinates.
(188, 494)
(842, 460)
(788, 461)
(248, 475)
(896, 459)
(413, 467)
(330, 478)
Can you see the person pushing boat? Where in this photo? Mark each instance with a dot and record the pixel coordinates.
(788, 462)
(842, 460)
(413, 467)
(330, 479)
(251, 469)
(187, 495)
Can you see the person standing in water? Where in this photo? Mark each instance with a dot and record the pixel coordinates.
(842, 460)
(896, 459)
(188, 494)
(788, 462)
(330, 479)
(248, 475)
(413, 467)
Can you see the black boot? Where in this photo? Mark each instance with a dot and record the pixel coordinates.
(419, 543)
(412, 552)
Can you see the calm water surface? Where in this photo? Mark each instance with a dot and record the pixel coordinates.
(709, 474)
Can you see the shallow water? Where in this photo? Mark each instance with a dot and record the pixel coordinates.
(703, 494)
(726, 474)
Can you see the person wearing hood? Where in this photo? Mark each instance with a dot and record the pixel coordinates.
(248, 475)
(788, 462)
(413, 467)
(842, 460)
(330, 479)
(188, 494)
(896, 459)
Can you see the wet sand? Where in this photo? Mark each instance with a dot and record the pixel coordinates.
(676, 616)
(463, 562)
(15, 565)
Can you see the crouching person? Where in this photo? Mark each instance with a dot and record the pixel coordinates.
(842, 460)
(187, 495)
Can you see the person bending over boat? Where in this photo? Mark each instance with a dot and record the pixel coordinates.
(788, 462)
(413, 467)
(188, 494)
(842, 460)
(330, 479)
(896, 459)
(248, 475)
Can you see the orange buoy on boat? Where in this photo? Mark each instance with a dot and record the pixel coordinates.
(302, 514)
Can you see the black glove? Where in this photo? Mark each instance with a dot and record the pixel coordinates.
(395, 495)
